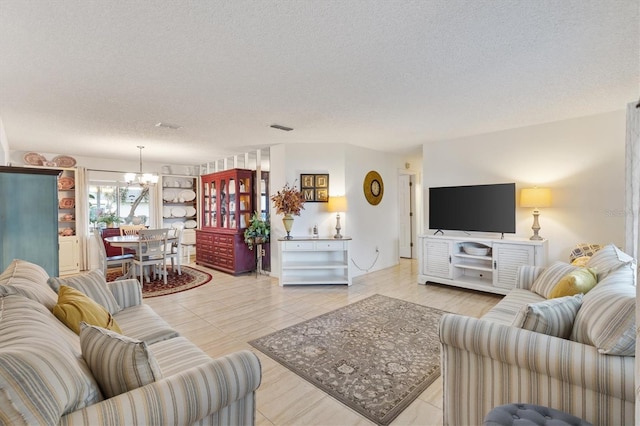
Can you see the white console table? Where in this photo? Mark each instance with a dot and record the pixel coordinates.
(314, 261)
(443, 259)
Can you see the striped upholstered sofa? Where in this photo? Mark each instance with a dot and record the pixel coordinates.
(146, 375)
(587, 372)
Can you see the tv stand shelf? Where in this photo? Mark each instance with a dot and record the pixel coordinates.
(442, 259)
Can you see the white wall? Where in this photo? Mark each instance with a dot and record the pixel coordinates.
(4, 146)
(581, 160)
(368, 225)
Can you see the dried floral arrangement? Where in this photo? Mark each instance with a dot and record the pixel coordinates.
(288, 200)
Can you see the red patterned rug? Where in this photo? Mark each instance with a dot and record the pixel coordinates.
(190, 278)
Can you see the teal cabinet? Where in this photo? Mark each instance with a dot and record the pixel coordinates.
(29, 217)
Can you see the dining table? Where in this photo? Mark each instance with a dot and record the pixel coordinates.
(132, 242)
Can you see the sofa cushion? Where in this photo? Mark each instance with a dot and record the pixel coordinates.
(606, 319)
(610, 258)
(29, 280)
(178, 354)
(93, 284)
(42, 372)
(118, 363)
(142, 323)
(74, 306)
(552, 274)
(507, 309)
(579, 281)
(553, 317)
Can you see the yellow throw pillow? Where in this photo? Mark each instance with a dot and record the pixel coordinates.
(576, 282)
(581, 261)
(74, 307)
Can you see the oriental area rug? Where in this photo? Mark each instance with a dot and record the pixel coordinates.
(190, 278)
(376, 355)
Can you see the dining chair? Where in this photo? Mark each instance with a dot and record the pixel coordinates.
(105, 261)
(152, 251)
(174, 251)
(188, 242)
(129, 230)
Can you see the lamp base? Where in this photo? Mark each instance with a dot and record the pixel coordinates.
(338, 228)
(536, 227)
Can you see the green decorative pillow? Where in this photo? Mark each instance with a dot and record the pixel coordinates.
(74, 307)
(553, 317)
(576, 282)
(93, 284)
(118, 363)
(549, 277)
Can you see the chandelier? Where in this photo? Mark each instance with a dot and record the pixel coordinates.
(143, 179)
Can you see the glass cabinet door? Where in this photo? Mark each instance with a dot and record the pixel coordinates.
(244, 200)
(206, 204)
(224, 204)
(232, 203)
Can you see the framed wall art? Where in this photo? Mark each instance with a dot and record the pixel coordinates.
(315, 187)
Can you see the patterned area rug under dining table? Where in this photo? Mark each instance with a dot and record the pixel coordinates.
(190, 278)
(376, 355)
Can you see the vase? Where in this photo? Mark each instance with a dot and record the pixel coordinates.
(287, 220)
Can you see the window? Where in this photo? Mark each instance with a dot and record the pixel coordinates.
(112, 203)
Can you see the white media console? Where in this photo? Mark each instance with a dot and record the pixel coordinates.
(484, 264)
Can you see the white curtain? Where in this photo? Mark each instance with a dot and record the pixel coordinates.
(632, 221)
(82, 218)
(632, 225)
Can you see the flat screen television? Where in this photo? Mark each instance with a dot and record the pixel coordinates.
(483, 208)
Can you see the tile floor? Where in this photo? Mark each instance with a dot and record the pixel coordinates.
(222, 316)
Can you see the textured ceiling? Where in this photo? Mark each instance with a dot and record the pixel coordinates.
(92, 78)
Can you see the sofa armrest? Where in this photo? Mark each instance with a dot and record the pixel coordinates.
(526, 276)
(485, 364)
(128, 292)
(184, 398)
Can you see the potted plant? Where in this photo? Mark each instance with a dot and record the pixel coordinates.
(109, 219)
(288, 201)
(257, 232)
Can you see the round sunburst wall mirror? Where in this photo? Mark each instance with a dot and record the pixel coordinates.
(373, 187)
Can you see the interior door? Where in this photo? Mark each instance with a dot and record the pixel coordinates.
(405, 216)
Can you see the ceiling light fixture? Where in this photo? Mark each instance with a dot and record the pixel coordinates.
(279, 127)
(143, 179)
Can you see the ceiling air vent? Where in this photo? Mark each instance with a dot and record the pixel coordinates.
(168, 126)
(279, 127)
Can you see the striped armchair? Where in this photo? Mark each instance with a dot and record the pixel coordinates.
(488, 362)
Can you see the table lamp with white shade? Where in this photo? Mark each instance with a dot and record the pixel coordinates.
(536, 198)
(337, 204)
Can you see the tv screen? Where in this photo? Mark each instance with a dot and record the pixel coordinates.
(485, 208)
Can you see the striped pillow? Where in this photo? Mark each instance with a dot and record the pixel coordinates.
(41, 372)
(9, 414)
(93, 284)
(29, 280)
(610, 258)
(547, 280)
(606, 319)
(553, 317)
(118, 363)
